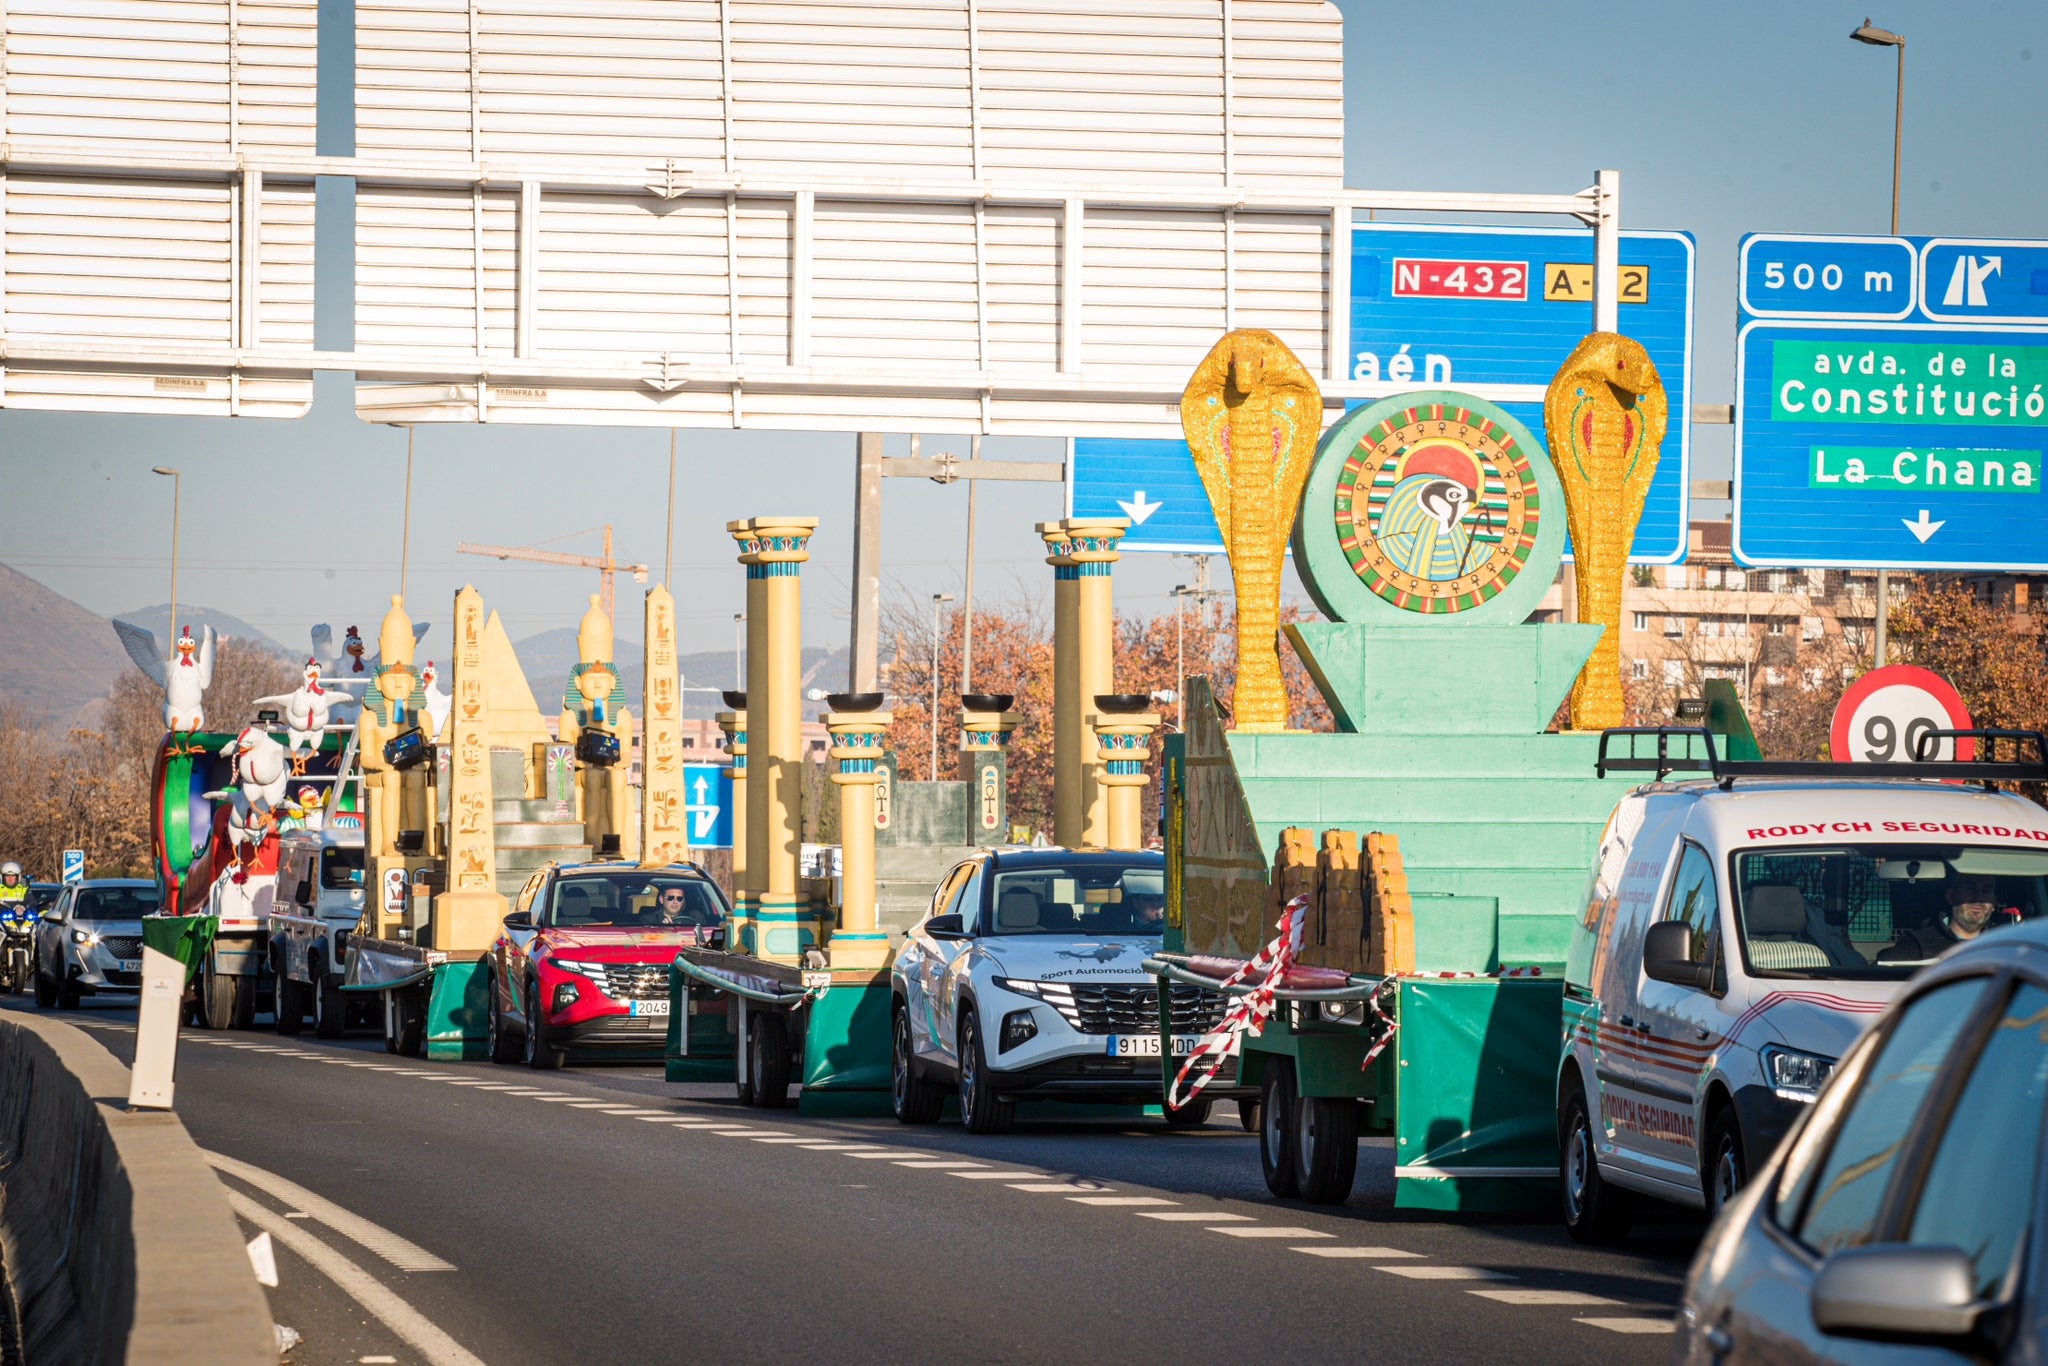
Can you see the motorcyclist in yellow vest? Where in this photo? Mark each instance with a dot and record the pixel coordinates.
(13, 886)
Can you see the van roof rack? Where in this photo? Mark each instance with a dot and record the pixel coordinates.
(1699, 754)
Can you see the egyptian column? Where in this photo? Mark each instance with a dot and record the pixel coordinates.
(773, 549)
(984, 767)
(664, 823)
(857, 739)
(467, 914)
(396, 800)
(1125, 746)
(1082, 552)
(734, 726)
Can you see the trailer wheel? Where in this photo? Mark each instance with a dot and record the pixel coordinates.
(244, 1011)
(290, 1011)
(330, 1007)
(1326, 1148)
(1193, 1115)
(1276, 1128)
(1248, 1116)
(767, 1060)
(411, 1021)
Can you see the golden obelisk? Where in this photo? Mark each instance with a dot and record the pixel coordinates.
(1252, 414)
(1604, 416)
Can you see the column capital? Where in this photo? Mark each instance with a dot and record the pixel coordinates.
(773, 540)
(987, 730)
(858, 739)
(1124, 743)
(1074, 541)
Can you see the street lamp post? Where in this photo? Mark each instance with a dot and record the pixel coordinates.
(937, 599)
(177, 479)
(1879, 37)
(1180, 656)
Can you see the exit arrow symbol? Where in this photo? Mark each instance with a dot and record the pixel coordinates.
(701, 782)
(1923, 528)
(1138, 508)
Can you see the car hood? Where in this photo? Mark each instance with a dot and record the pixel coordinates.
(619, 946)
(1816, 1017)
(1034, 958)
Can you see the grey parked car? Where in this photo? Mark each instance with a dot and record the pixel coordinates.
(1895, 1223)
(90, 942)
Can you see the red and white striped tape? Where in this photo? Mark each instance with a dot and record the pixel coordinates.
(1246, 1013)
(1393, 1025)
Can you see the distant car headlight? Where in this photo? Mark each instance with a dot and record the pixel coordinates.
(86, 937)
(1795, 1075)
(1058, 995)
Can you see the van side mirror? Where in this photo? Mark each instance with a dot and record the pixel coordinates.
(303, 893)
(1667, 956)
(1897, 1291)
(945, 927)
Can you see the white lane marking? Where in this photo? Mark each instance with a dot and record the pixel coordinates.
(1267, 1231)
(405, 1255)
(489, 1085)
(995, 1176)
(1188, 1216)
(415, 1072)
(1053, 1187)
(872, 1154)
(779, 1138)
(1446, 1273)
(597, 1105)
(467, 1083)
(741, 1131)
(1120, 1200)
(526, 1091)
(839, 1147)
(1631, 1325)
(1371, 1253)
(415, 1328)
(1578, 1298)
(557, 1099)
(638, 1113)
(933, 1164)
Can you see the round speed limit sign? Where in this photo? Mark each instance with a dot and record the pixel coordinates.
(1884, 715)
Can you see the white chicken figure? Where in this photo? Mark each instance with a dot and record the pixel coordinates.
(184, 677)
(260, 769)
(306, 710)
(437, 700)
(348, 667)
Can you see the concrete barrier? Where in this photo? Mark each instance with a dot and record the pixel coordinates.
(115, 1236)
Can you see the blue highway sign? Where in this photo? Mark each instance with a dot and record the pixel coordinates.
(1909, 444)
(707, 804)
(1491, 310)
(74, 865)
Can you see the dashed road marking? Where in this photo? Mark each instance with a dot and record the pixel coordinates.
(1266, 1231)
(1120, 1200)
(1055, 1187)
(1368, 1253)
(993, 1176)
(837, 1147)
(1188, 1216)
(876, 1153)
(1578, 1298)
(1631, 1325)
(1446, 1273)
(400, 1252)
(779, 1138)
(933, 1164)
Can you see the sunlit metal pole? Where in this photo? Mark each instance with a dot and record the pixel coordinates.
(937, 598)
(177, 479)
(1878, 37)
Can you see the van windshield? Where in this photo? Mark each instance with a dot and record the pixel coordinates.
(1878, 911)
(341, 869)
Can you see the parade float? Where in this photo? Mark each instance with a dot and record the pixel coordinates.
(1423, 863)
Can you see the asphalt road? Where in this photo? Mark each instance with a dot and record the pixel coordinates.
(599, 1214)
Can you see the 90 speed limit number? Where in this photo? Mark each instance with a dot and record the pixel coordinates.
(1886, 715)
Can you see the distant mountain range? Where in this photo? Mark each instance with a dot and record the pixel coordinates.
(157, 618)
(548, 657)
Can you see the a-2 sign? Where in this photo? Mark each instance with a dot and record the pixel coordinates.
(707, 805)
(74, 866)
(1886, 715)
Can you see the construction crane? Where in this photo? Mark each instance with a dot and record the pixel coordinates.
(604, 564)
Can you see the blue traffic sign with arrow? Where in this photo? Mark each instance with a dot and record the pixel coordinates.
(707, 805)
(1914, 443)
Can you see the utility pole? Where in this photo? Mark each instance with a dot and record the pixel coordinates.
(1878, 37)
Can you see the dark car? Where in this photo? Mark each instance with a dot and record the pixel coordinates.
(1895, 1222)
(583, 960)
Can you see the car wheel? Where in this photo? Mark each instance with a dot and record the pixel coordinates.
(290, 1012)
(502, 1047)
(46, 991)
(1193, 1115)
(767, 1060)
(541, 1055)
(330, 1007)
(1728, 1166)
(1248, 1116)
(915, 1100)
(1594, 1212)
(1276, 1128)
(67, 995)
(984, 1110)
(1325, 1148)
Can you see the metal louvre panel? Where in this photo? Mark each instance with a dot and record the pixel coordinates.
(763, 251)
(1287, 93)
(628, 276)
(107, 260)
(1054, 76)
(636, 81)
(852, 89)
(894, 283)
(1023, 248)
(276, 54)
(128, 76)
(412, 78)
(1153, 288)
(416, 258)
(1278, 279)
(284, 288)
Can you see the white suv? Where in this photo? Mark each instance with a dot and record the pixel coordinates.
(1737, 936)
(1024, 981)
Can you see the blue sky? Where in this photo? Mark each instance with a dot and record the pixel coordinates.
(1723, 118)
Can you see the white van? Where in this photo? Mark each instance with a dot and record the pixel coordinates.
(318, 903)
(1737, 936)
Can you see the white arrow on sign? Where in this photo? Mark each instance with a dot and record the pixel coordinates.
(703, 822)
(1138, 508)
(703, 782)
(1923, 528)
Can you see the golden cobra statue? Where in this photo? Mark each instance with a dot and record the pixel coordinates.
(1252, 413)
(1604, 415)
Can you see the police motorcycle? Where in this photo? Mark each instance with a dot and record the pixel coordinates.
(17, 931)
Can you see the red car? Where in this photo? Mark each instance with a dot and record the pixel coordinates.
(583, 960)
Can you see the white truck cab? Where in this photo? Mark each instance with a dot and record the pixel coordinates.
(1737, 935)
(317, 903)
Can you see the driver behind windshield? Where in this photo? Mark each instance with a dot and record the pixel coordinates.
(1972, 901)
